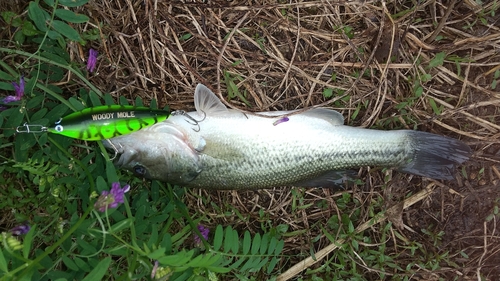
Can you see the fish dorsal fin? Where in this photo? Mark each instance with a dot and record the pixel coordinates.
(206, 102)
(331, 116)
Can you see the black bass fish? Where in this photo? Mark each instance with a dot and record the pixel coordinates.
(228, 149)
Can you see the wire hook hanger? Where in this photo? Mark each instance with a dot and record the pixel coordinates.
(27, 128)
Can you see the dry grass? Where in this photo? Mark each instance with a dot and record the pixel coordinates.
(283, 56)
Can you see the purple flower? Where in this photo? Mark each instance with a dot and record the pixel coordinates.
(19, 89)
(284, 119)
(204, 232)
(91, 62)
(20, 229)
(112, 198)
(9, 99)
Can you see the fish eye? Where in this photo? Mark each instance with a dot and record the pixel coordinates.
(139, 170)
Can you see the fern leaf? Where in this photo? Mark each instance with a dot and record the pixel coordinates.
(227, 261)
(177, 260)
(251, 254)
(250, 264)
(238, 262)
(219, 235)
(272, 265)
(212, 259)
(156, 254)
(279, 247)
(218, 269)
(235, 243)
(247, 242)
(256, 244)
(263, 243)
(272, 245)
(228, 239)
(196, 262)
(261, 263)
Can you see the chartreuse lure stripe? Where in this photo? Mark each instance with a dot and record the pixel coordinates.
(107, 121)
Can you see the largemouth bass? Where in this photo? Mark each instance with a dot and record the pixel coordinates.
(227, 149)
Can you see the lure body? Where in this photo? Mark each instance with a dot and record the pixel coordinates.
(107, 121)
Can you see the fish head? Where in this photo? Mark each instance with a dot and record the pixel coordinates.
(151, 154)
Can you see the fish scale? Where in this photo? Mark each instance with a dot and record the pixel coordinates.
(273, 168)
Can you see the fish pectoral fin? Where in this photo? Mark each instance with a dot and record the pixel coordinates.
(206, 102)
(331, 179)
(200, 145)
(331, 116)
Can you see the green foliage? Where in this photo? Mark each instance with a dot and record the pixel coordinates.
(143, 234)
(347, 30)
(418, 85)
(56, 29)
(435, 237)
(437, 109)
(494, 83)
(61, 177)
(184, 260)
(372, 251)
(260, 41)
(185, 37)
(494, 213)
(484, 14)
(437, 60)
(250, 254)
(42, 174)
(232, 89)
(457, 60)
(328, 93)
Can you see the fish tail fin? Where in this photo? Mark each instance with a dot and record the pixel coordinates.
(435, 156)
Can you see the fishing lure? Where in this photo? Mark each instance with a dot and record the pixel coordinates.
(101, 122)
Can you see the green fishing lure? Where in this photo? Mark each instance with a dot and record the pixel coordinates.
(107, 121)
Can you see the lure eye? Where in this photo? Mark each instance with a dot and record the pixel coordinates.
(59, 128)
(139, 170)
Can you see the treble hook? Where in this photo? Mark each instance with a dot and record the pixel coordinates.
(114, 148)
(193, 122)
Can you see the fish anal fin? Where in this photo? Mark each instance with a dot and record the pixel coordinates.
(331, 179)
(206, 102)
